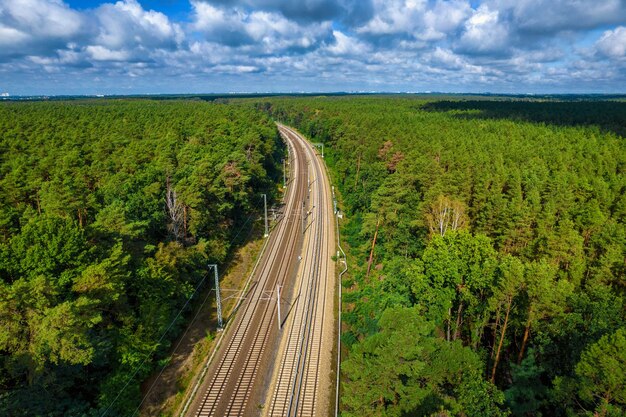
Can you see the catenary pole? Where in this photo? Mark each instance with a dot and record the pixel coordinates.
(280, 324)
(218, 298)
(265, 210)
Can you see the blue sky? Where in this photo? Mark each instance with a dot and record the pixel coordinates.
(168, 46)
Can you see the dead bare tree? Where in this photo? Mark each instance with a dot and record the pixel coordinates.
(445, 214)
(175, 210)
(458, 215)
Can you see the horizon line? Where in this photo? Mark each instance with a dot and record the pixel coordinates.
(5, 96)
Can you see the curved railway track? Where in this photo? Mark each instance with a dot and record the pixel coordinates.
(231, 380)
(302, 368)
(238, 377)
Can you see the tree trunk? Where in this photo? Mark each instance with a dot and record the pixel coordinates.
(31, 372)
(449, 319)
(443, 221)
(495, 331)
(524, 339)
(457, 328)
(175, 210)
(369, 262)
(506, 322)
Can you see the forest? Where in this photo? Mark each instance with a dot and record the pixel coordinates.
(486, 241)
(110, 212)
(487, 250)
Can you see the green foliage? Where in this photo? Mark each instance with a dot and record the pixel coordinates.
(601, 373)
(457, 279)
(502, 222)
(527, 395)
(91, 273)
(48, 246)
(404, 369)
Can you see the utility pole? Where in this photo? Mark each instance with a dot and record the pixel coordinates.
(308, 182)
(265, 209)
(303, 217)
(280, 324)
(284, 174)
(320, 144)
(218, 298)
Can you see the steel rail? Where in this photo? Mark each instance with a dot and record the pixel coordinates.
(303, 373)
(213, 396)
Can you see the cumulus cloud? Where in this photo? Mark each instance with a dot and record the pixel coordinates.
(125, 26)
(268, 31)
(36, 26)
(612, 44)
(394, 16)
(121, 31)
(347, 11)
(416, 19)
(548, 16)
(10, 37)
(415, 22)
(346, 45)
(40, 18)
(445, 58)
(101, 53)
(485, 33)
(460, 45)
(445, 18)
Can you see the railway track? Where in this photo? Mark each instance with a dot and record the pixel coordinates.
(257, 369)
(302, 367)
(232, 385)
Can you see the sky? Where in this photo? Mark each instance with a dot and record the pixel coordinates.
(56, 47)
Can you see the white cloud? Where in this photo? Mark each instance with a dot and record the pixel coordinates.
(351, 44)
(207, 17)
(612, 44)
(36, 26)
(42, 18)
(268, 32)
(271, 27)
(10, 36)
(64, 57)
(485, 33)
(557, 15)
(234, 69)
(419, 19)
(126, 24)
(101, 53)
(346, 45)
(117, 32)
(395, 16)
(445, 18)
(447, 60)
